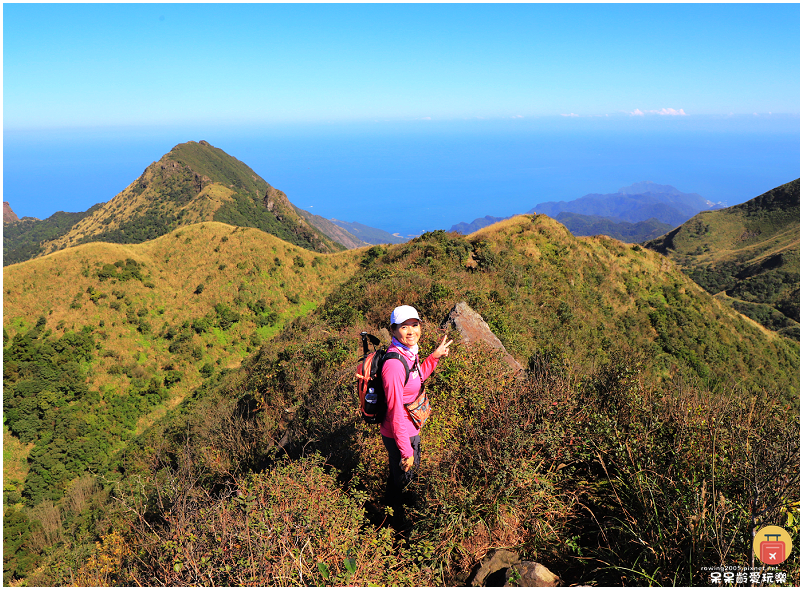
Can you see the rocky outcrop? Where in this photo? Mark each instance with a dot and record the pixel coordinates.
(473, 328)
(8, 215)
(502, 567)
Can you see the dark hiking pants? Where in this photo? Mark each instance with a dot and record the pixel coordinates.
(399, 479)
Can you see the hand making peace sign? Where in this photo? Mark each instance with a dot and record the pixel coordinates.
(443, 349)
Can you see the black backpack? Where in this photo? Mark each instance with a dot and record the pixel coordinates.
(371, 396)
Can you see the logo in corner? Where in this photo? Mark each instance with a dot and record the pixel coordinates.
(772, 545)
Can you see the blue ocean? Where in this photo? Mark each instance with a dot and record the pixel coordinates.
(415, 176)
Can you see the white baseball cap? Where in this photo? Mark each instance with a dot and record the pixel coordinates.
(403, 313)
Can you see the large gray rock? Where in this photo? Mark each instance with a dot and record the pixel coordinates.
(473, 328)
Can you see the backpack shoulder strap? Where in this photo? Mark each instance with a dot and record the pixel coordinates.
(401, 358)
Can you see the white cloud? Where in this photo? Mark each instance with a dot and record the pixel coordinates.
(570, 115)
(671, 112)
(517, 117)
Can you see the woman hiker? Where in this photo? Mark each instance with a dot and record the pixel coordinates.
(400, 429)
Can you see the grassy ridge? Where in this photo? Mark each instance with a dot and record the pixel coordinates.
(649, 421)
(218, 166)
(202, 299)
(751, 252)
(643, 393)
(549, 295)
(220, 257)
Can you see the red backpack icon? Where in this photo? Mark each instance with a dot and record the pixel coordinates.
(772, 552)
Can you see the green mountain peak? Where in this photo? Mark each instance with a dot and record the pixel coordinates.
(194, 182)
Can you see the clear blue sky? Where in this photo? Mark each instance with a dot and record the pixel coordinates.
(153, 64)
(447, 112)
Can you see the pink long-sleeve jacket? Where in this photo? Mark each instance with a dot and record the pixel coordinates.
(398, 424)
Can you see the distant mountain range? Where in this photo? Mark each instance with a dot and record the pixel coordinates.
(747, 255)
(634, 213)
(194, 182)
(638, 202)
(198, 182)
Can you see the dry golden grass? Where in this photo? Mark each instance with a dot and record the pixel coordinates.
(507, 531)
(15, 464)
(109, 216)
(221, 257)
(490, 231)
(733, 237)
(207, 202)
(176, 263)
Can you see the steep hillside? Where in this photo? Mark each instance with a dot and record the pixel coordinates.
(749, 252)
(194, 182)
(638, 387)
(641, 393)
(162, 315)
